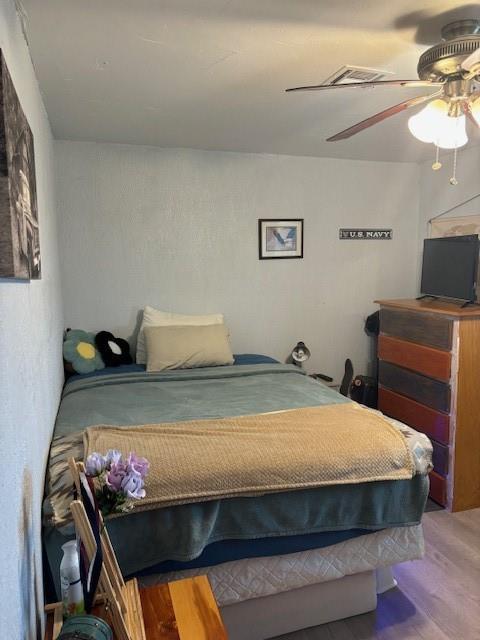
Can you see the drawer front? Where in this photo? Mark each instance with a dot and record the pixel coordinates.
(426, 360)
(440, 458)
(423, 328)
(433, 423)
(438, 488)
(432, 393)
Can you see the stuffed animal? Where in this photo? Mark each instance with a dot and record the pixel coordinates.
(80, 353)
(114, 351)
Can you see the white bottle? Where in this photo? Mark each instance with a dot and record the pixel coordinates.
(72, 591)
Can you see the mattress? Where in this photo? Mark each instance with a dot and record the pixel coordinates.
(240, 580)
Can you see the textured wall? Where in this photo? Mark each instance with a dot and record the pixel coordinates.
(438, 195)
(177, 229)
(30, 372)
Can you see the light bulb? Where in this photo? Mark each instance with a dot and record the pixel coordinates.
(426, 124)
(452, 133)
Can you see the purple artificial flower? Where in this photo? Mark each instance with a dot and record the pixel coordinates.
(113, 456)
(140, 465)
(132, 485)
(115, 476)
(121, 481)
(95, 464)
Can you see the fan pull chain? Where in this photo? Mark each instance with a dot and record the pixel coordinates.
(453, 179)
(437, 164)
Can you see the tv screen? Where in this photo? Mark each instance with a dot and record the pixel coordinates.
(450, 267)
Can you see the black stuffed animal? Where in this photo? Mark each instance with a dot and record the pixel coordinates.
(114, 351)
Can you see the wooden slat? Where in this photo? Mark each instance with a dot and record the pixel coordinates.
(467, 431)
(134, 613)
(433, 423)
(438, 488)
(196, 611)
(57, 621)
(426, 360)
(158, 614)
(426, 391)
(422, 328)
(440, 458)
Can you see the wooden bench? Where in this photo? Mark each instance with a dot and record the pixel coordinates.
(180, 610)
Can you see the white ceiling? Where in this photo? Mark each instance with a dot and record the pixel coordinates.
(211, 74)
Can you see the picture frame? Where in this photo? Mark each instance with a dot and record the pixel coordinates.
(19, 230)
(280, 238)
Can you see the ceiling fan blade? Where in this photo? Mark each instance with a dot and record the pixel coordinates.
(472, 61)
(366, 85)
(378, 117)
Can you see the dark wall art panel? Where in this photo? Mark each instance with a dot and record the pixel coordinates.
(19, 234)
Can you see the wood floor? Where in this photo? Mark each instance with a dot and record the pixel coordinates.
(438, 598)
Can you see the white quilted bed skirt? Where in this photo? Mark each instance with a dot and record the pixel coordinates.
(240, 580)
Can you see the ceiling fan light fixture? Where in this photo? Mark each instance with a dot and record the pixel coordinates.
(426, 124)
(452, 65)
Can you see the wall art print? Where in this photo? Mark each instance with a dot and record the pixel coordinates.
(19, 233)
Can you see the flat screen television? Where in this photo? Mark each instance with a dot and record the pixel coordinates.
(450, 267)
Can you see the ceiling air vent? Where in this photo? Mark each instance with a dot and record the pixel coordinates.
(348, 74)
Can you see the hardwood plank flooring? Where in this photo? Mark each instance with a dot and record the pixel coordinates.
(438, 598)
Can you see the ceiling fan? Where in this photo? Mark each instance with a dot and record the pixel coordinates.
(453, 66)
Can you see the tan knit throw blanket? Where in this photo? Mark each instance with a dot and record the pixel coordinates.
(202, 460)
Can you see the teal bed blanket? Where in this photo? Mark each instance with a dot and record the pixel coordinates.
(145, 539)
(187, 394)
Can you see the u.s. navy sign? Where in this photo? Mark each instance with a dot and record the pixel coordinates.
(366, 234)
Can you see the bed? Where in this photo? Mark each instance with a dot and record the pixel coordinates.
(286, 559)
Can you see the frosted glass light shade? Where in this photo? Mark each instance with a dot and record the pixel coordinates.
(425, 124)
(433, 124)
(452, 133)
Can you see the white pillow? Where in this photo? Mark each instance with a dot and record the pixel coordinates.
(155, 318)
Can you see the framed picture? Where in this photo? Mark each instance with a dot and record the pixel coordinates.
(280, 238)
(19, 233)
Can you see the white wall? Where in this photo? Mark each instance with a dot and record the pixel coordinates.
(177, 229)
(438, 195)
(30, 372)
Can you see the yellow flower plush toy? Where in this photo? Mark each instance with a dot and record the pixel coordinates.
(79, 350)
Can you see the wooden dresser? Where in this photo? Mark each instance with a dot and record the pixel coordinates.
(429, 378)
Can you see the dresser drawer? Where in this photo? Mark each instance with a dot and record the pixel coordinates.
(426, 391)
(440, 458)
(426, 360)
(433, 423)
(423, 328)
(438, 488)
